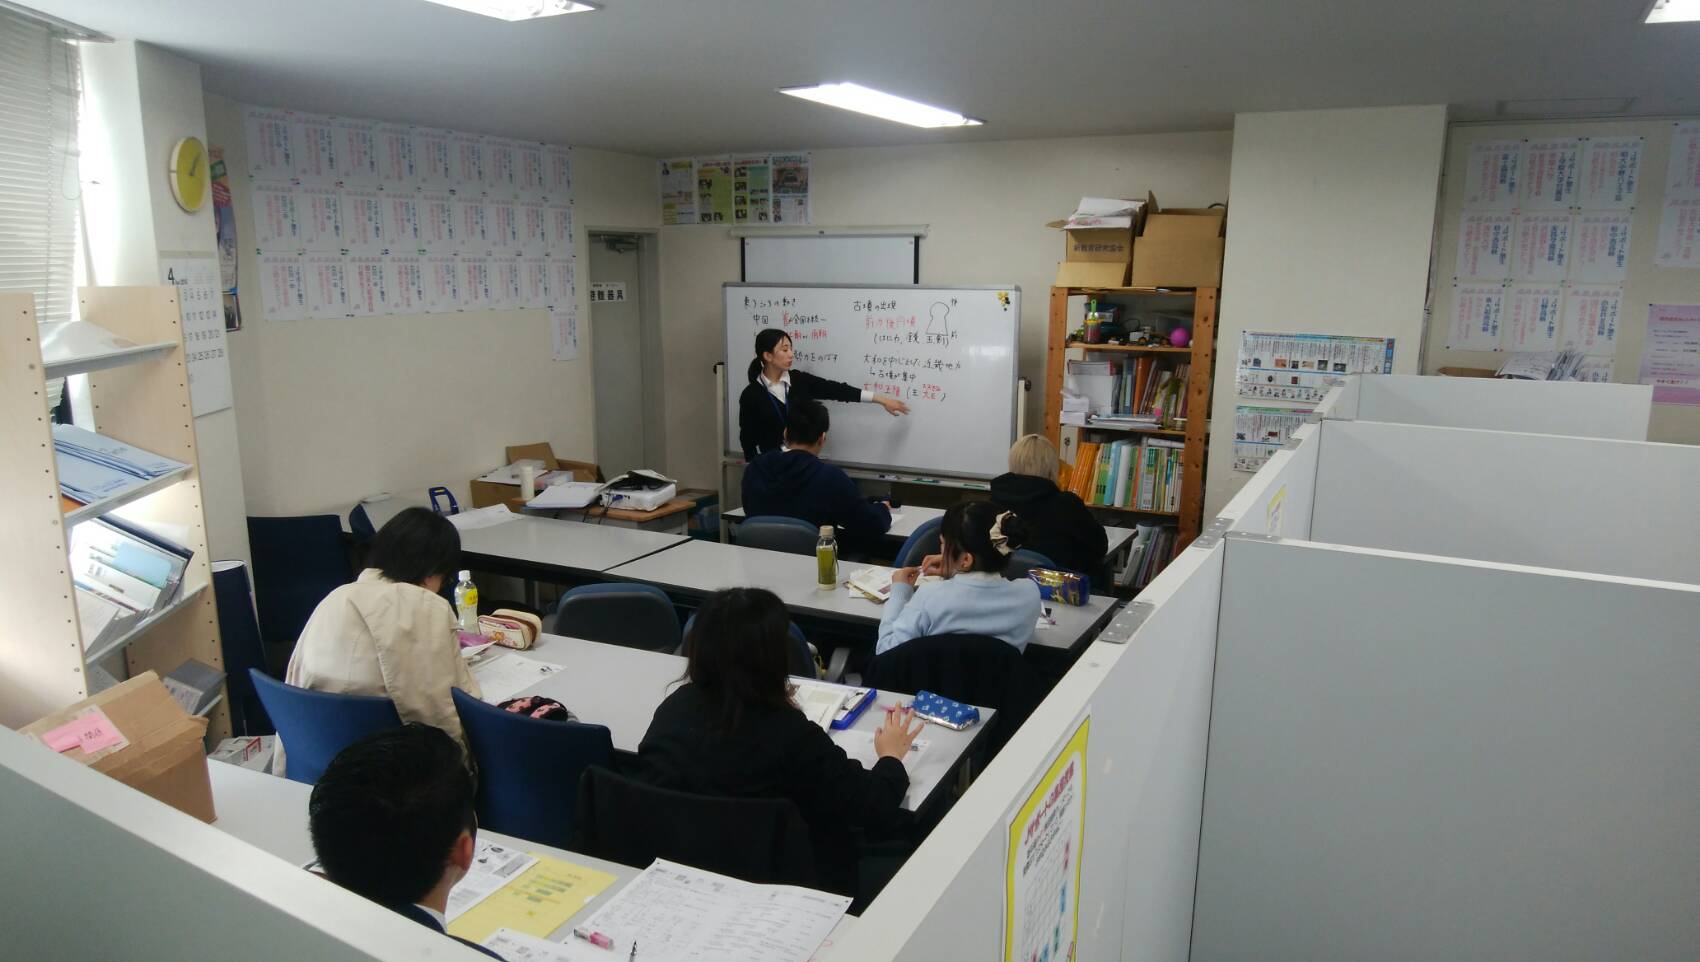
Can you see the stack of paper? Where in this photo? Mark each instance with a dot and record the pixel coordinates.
(122, 573)
(567, 494)
(820, 702)
(873, 584)
(485, 517)
(93, 467)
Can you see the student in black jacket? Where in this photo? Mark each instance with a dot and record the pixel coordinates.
(796, 483)
(774, 386)
(1057, 522)
(733, 730)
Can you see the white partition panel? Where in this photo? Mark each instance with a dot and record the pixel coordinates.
(1627, 508)
(1413, 758)
(1150, 704)
(1570, 408)
(97, 870)
(1279, 498)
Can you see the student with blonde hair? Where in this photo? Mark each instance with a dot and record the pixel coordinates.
(1057, 522)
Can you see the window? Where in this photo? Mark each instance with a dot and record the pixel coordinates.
(39, 190)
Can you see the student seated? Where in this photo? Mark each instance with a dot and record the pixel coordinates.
(974, 598)
(733, 730)
(390, 633)
(796, 483)
(392, 820)
(1057, 522)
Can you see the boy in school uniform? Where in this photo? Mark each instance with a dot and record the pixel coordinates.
(796, 483)
(392, 819)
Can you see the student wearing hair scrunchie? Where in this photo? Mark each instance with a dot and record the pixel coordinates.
(974, 597)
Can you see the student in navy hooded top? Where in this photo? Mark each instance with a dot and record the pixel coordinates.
(796, 483)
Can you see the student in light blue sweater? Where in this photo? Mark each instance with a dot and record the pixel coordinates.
(974, 598)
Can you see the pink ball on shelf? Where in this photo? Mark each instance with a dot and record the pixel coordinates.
(1180, 337)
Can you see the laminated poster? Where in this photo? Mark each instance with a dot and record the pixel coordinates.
(1543, 247)
(1591, 317)
(790, 188)
(752, 190)
(1042, 869)
(1537, 312)
(1551, 173)
(714, 190)
(1259, 432)
(679, 191)
(1600, 251)
(1670, 353)
(1484, 246)
(1493, 175)
(1478, 310)
(283, 287)
(1611, 172)
(1302, 367)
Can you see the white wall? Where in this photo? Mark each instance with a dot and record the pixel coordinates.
(1329, 232)
(145, 99)
(1645, 284)
(331, 411)
(986, 206)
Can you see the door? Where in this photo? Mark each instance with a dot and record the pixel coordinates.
(617, 339)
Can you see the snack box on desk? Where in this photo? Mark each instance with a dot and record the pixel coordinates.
(1062, 587)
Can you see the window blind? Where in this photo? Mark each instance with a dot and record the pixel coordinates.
(40, 85)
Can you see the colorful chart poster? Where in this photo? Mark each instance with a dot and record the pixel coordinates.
(714, 190)
(1484, 246)
(1042, 871)
(1542, 247)
(752, 190)
(1536, 314)
(1551, 173)
(1611, 172)
(224, 223)
(679, 191)
(1600, 254)
(1261, 431)
(1477, 313)
(790, 188)
(200, 306)
(1670, 353)
(1493, 175)
(1591, 317)
(1679, 233)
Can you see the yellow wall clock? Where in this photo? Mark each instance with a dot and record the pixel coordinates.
(189, 174)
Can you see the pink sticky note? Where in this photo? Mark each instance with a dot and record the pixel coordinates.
(62, 739)
(95, 731)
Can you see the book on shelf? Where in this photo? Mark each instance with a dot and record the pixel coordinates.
(1143, 474)
(1147, 556)
(1143, 391)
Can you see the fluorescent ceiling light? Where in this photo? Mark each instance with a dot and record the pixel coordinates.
(1673, 11)
(517, 9)
(878, 103)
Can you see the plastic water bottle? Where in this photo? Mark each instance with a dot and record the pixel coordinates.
(826, 560)
(466, 602)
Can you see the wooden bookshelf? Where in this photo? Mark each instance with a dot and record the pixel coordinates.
(1202, 354)
(142, 398)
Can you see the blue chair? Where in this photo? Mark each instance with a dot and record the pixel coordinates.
(239, 639)
(1021, 561)
(634, 615)
(801, 658)
(315, 725)
(297, 562)
(360, 524)
(923, 542)
(777, 533)
(529, 768)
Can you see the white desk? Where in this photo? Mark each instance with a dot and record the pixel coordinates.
(914, 515)
(570, 547)
(703, 567)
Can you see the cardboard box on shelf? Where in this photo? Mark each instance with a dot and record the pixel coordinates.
(136, 733)
(1181, 247)
(1097, 249)
(486, 493)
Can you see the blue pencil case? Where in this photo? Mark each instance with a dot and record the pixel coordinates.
(944, 711)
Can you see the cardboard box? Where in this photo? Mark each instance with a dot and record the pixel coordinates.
(1180, 248)
(487, 493)
(1099, 256)
(1077, 274)
(164, 756)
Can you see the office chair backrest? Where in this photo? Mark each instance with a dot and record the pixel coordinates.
(360, 524)
(755, 839)
(297, 562)
(974, 669)
(529, 768)
(315, 725)
(800, 660)
(776, 533)
(924, 541)
(239, 639)
(633, 615)
(1021, 561)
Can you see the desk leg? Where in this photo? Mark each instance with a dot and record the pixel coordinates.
(531, 597)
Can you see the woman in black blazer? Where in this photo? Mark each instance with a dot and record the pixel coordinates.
(773, 385)
(733, 730)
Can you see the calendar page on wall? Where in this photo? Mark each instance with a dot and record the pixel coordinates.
(200, 301)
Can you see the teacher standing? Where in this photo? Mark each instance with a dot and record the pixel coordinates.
(774, 385)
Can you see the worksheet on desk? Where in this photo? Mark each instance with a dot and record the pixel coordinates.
(508, 674)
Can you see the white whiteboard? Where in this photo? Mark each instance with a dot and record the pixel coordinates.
(825, 259)
(950, 353)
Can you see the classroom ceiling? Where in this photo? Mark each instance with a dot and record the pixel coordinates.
(675, 77)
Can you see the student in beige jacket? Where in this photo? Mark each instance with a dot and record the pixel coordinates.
(390, 633)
